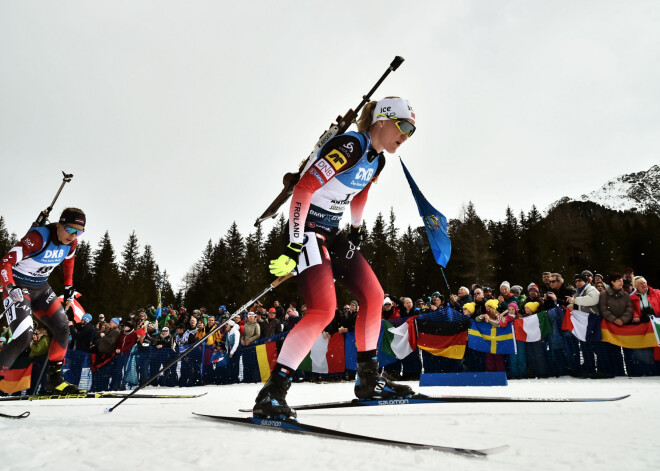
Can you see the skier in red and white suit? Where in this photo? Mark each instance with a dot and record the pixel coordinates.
(24, 273)
(340, 176)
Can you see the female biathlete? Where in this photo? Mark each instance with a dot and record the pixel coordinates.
(24, 273)
(340, 176)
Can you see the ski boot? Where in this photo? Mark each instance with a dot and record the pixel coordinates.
(271, 400)
(372, 385)
(55, 384)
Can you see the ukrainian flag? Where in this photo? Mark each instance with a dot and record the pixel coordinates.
(485, 337)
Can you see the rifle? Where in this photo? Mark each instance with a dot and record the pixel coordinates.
(43, 215)
(290, 179)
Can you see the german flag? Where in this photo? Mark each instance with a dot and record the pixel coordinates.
(629, 336)
(443, 338)
(17, 378)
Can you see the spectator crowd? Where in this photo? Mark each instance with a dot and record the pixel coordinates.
(122, 352)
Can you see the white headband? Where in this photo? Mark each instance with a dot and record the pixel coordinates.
(388, 108)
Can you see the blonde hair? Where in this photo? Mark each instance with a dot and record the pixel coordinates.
(365, 120)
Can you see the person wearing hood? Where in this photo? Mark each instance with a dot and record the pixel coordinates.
(82, 337)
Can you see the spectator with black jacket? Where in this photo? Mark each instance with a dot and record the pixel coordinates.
(273, 325)
(82, 338)
(457, 302)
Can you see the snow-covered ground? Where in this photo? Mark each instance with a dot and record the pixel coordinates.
(162, 434)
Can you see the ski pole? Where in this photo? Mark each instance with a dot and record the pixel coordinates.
(270, 287)
(43, 215)
(9, 306)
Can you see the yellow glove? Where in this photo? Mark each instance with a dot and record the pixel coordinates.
(285, 263)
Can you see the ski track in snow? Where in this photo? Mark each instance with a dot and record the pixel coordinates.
(163, 434)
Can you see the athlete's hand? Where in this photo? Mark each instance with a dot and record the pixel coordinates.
(285, 263)
(14, 293)
(68, 296)
(355, 236)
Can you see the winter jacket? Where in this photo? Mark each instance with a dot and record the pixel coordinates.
(126, 341)
(460, 302)
(40, 348)
(391, 314)
(652, 300)
(274, 327)
(108, 343)
(83, 337)
(615, 305)
(233, 339)
(164, 342)
(251, 332)
(587, 299)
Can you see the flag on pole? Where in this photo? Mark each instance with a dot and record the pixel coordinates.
(434, 221)
(159, 309)
(76, 307)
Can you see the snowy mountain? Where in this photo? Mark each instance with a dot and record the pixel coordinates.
(637, 192)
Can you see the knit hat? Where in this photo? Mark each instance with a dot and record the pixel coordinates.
(2, 339)
(231, 323)
(87, 318)
(533, 306)
(116, 320)
(387, 301)
(587, 272)
(493, 303)
(513, 305)
(141, 333)
(272, 309)
(516, 289)
(532, 286)
(470, 307)
(505, 283)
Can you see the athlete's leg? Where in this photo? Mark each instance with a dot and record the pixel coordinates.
(353, 271)
(48, 309)
(19, 319)
(317, 286)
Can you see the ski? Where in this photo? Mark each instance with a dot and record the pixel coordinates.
(98, 396)
(24, 415)
(290, 425)
(423, 399)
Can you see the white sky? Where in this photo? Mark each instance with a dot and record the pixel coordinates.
(177, 118)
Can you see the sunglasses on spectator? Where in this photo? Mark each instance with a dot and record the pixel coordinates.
(554, 281)
(73, 230)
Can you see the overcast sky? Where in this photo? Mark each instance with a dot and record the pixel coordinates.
(179, 117)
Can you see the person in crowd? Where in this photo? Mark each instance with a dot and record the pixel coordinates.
(407, 308)
(163, 355)
(469, 309)
(646, 304)
(222, 313)
(279, 311)
(517, 362)
(599, 278)
(104, 349)
(437, 301)
(82, 339)
(389, 311)
(616, 307)
(506, 297)
(101, 323)
(586, 299)
(457, 301)
(517, 291)
(545, 285)
(557, 294)
(201, 328)
(343, 322)
(600, 286)
(479, 302)
(493, 361)
(142, 352)
(273, 325)
(251, 330)
(25, 270)
(533, 294)
(588, 277)
(127, 339)
(261, 320)
(38, 353)
(535, 352)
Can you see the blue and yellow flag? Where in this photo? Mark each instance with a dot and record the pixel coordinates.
(159, 309)
(485, 337)
(434, 221)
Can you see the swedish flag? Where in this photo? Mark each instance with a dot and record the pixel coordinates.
(434, 221)
(485, 337)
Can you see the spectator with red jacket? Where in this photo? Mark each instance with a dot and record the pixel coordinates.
(645, 301)
(127, 338)
(389, 310)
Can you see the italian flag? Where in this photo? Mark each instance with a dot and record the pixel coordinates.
(532, 328)
(401, 341)
(326, 356)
